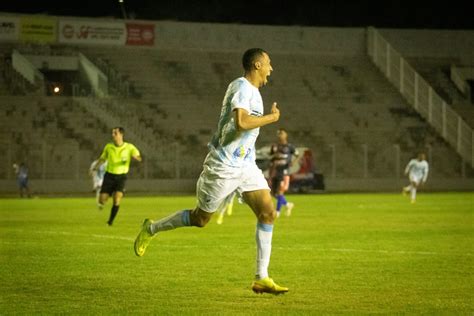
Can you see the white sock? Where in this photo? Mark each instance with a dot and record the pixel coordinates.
(173, 221)
(407, 188)
(264, 248)
(413, 193)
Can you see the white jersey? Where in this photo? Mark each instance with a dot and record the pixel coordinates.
(98, 175)
(417, 170)
(232, 147)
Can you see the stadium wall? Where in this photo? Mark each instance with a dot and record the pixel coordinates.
(230, 37)
(188, 186)
(449, 44)
(275, 39)
(171, 35)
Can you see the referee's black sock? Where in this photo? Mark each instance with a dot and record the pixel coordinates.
(113, 213)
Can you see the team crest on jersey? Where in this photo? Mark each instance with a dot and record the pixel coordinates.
(240, 152)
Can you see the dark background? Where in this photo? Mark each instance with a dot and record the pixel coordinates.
(336, 13)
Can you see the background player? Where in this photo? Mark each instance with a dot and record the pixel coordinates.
(97, 175)
(417, 171)
(21, 172)
(118, 155)
(282, 155)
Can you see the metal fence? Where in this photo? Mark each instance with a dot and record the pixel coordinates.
(421, 96)
(68, 162)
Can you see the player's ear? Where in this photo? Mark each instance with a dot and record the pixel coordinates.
(258, 65)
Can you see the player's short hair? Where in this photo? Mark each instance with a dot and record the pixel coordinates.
(120, 129)
(250, 57)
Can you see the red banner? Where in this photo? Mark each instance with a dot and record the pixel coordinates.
(140, 34)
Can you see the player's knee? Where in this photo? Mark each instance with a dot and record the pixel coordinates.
(268, 216)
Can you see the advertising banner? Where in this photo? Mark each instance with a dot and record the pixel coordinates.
(91, 32)
(140, 34)
(9, 28)
(38, 29)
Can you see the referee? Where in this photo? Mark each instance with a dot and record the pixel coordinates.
(118, 155)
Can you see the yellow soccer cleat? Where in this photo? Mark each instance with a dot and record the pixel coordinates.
(143, 238)
(220, 219)
(267, 285)
(229, 208)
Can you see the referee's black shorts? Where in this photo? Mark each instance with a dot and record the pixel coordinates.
(113, 183)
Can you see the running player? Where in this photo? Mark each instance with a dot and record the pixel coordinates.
(282, 155)
(230, 166)
(118, 155)
(97, 175)
(417, 171)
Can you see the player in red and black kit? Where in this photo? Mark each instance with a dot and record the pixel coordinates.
(282, 154)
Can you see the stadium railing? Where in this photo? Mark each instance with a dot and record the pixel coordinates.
(421, 95)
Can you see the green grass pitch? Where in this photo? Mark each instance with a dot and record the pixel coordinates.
(338, 253)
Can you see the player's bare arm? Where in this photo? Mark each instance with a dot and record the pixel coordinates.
(137, 158)
(245, 121)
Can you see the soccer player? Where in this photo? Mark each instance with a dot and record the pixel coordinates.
(22, 179)
(230, 166)
(226, 207)
(417, 171)
(282, 155)
(97, 175)
(118, 155)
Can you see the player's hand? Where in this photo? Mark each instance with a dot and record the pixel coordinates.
(275, 111)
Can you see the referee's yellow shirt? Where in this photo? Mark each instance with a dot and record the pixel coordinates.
(119, 157)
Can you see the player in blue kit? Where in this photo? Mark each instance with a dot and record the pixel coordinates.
(230, 165)
(282, 155)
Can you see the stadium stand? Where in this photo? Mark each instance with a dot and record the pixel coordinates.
(340, 106)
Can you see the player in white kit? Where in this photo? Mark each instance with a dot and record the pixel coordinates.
(417, 171)
(230, 166)
(97, 175)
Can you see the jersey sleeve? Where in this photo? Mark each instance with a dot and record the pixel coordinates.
(241, 98)
(134, 151)
(105, 154)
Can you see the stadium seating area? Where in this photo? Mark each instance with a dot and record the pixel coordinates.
(437, 72)
(355, 122)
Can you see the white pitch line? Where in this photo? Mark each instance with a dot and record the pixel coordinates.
(402, 252)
